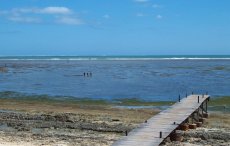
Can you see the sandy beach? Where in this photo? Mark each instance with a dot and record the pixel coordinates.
(26, 122)
(40, 123)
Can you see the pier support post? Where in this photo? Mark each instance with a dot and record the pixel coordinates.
(160, 134)
(184, 127)
(179, 98)
(205, 115)
(198, 99)
(192, 126)
(177, 136)
(198, 124)
(202, 120)
(202, 105)
(192, 118)
(187, 120)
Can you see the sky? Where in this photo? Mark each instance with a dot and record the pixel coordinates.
(114, 27)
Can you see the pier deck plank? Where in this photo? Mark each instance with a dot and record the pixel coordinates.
(148, 134)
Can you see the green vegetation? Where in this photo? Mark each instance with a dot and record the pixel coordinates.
(20, 97)
(219, 68)
(138, 102)
(220, 101)
(46, 99)
(220, 104)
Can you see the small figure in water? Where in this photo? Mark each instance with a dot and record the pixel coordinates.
(88, 74)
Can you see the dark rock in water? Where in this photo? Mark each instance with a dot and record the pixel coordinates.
(115, 120)
(3, 70)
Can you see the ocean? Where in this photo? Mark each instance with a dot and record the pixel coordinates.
(150, 78)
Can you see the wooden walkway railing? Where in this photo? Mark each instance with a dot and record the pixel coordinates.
(161, 126)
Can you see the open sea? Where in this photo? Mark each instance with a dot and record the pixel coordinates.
(151, 78)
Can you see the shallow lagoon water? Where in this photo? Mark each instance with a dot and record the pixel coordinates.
(154, 80)
(144, 107)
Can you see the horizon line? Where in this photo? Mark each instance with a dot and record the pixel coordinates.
(111, 55)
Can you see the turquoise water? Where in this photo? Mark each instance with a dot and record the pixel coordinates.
(155, 78)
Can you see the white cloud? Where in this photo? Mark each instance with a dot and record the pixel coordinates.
(106, 16)
(61, 15)
(55, 10)
(46, 10)
(24, 19)
(159, 16)
(141, 1)
(69, 20)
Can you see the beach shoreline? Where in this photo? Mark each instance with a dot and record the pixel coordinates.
(31, 122)
(34, 122)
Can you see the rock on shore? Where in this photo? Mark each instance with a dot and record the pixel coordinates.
(204, 137)
(67, 128)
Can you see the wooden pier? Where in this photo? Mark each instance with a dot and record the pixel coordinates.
(190, 109)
